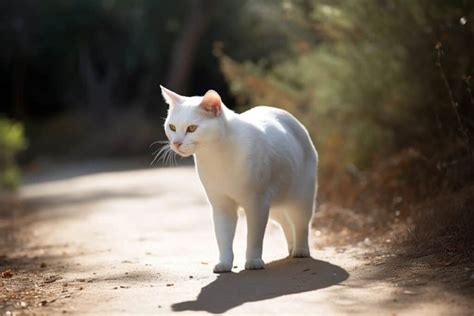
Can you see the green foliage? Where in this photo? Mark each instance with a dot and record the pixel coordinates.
(12, 140)
(365, 80)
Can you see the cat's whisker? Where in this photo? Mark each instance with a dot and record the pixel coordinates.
(167, 155)
(161, 153)
(175, 160)
(159, 150)
(158, 142)
(154, 160)
(170, 158)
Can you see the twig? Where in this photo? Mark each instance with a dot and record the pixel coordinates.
(467, 80)
(454, 104)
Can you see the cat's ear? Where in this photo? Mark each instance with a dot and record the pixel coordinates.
(172, 98)
(212, 103)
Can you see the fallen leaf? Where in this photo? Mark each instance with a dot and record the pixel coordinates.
(7, 274)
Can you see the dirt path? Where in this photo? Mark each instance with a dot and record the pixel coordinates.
(142, 242)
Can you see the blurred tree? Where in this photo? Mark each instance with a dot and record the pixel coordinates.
(186, 44)
(102, 55)
(12, 141)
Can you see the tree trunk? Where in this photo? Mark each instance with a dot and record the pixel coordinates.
(98, 88)
(186, 44)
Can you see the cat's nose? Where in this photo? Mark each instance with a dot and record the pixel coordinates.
(177, 144)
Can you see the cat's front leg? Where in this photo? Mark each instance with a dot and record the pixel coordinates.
(225, 220)
(257, 218)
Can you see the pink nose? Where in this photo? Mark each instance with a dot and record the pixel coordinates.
(177, 144)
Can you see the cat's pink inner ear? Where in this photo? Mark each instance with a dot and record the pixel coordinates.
(211, 102)
(171, 97)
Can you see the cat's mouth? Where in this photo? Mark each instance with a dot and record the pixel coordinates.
(181, 152)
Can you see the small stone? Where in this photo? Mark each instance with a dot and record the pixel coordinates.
(170, 284)
(52, 278)
(191, 277)
(43, 265)
(43, 303)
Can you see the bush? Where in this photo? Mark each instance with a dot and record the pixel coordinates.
(372, 79)
(12, 140)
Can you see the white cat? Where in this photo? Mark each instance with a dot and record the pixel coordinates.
(262, 160)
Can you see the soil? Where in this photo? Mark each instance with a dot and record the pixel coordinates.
(79, 240)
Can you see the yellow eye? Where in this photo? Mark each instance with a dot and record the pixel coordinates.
(191, 128)
(172, 127)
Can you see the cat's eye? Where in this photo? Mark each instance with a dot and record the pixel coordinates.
(191, 128)
(172, 127)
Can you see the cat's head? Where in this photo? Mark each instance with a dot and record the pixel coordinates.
(192, 122)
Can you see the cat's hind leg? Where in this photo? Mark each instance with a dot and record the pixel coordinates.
(286, 225)
(301, 217)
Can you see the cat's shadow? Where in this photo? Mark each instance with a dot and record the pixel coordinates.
(279, 278)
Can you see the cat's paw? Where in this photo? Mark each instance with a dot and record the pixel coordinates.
(300, 253)
(254, 264)
(222, 267)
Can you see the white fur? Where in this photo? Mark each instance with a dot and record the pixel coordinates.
(262, 160)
